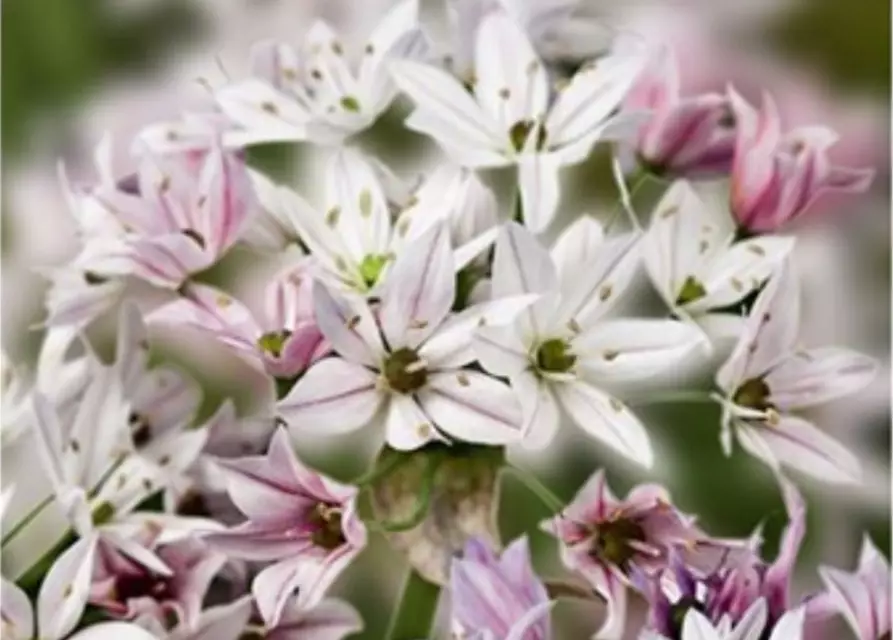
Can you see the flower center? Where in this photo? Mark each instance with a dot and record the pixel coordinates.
(612, 541)
(371, 268)
(274, 342)
(692, 290)
(143, 585)
(555, 356)
(327, 532)
(405, 371)
(753, 394)
(520, 131)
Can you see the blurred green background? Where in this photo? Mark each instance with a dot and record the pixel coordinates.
(58, 54)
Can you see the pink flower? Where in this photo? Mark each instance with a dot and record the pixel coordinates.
(776, 177)
(284, 341)
(178, 216)
(175, 584)
(329, 620)
(606, 540)
(499, 596)
(304, 522)
(863, 597)
(685, 136)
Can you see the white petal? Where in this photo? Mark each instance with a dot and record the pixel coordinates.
(407, 426)
(540, 189)
(472, 407)
(419, 291)
(600, 284)
(267, 114)
(446, 106)
(593, 94)
(579, 244)
(349, 325)
(815, 376)
(363, 221)
(790, 625)
(852, 597)
(522, 266)
(682, 236)
(452, 345)
(800, 445)
(697, 627)
(334, 396)
(540, 410)
(510, 82)
(770, 333)
(113, 631)
(733, 274)
(607, 419)
(17, 614)
(501, 350)
(752, 623)
(634, 349)
(63, 594)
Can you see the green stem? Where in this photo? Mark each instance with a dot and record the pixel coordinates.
(24, 522)
(541, 491)
(639, 180)
(414, 615)
(381, 469)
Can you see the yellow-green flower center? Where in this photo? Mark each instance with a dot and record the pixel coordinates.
(692, 290)
(753, 394)
(371, 268)
(555, 356)
(274, 342)
(612, 541)
(405, 371)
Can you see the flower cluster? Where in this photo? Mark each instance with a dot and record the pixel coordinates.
(446, 326)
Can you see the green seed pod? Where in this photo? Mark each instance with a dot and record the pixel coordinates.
(432, 500)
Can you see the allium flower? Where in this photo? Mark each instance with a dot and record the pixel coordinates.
(283, 342)
(556, 29)
(768, 375)
(327, 90)
(863, 597)
(731, 589)
(498, 598)
(355, 242)
(305, 523)
(751, 627)
(775, 177)
(607, 540)
(561, 350)
(60, 602)
(509, 115)
(125, 588)
(177, 217)
(684, 136)
(410, 354)
(695, 263)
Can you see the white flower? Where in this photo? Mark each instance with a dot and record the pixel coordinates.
(561, 350)
(356, 240)
(695, 263)
(752, 626)
(768, 375)
(556, 29)
(511, 116)
(409, 355)
(60, 602)
(325, 91)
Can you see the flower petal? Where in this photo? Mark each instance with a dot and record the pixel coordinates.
(607, 419)
(349, 325)
(407, 426)
(501, 351)
(538, 183)
(472, 407)
(697, 627)
(63, 594)
(800, 445)
(334, 396)
(225, 200)
(267, 115)
(419, 291)
(114, 631)
(329, 620)
(446, 108)
(540, 410)
(814, 376)
(634, 349)
(17, 614)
